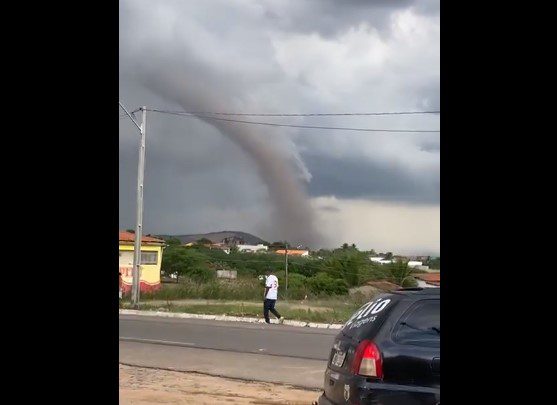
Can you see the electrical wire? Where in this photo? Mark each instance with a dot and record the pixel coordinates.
(184, 114)
(303, 114)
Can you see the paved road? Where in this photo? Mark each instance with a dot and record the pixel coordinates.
(271, 353)
(280, 340)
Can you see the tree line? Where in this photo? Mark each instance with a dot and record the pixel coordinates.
(325, 272)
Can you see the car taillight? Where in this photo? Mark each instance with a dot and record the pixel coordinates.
(367, 360)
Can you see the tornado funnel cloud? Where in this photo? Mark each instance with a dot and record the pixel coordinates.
(291, 213)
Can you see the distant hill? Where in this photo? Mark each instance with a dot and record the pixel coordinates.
(217, 237)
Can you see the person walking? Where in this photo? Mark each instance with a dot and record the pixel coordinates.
(271, 295)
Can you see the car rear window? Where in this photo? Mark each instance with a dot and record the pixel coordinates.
(420, 325)
(368, 319)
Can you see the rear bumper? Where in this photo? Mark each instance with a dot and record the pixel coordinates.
(387, 397)
(323, 400)
(360, 391)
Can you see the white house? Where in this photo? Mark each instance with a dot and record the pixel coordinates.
(252, 248)
(413, 263)
(380, 260)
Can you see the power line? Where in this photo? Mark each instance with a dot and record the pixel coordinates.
(183, 114)
(304, 114)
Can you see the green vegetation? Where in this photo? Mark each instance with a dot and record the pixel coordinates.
(185, 262)
(400, 274)
(241, 289)
(334, 312)
(318, 285)
(326, 273)
(434, 263)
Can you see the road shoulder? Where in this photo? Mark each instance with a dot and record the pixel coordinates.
(140, 385)
(301, 373)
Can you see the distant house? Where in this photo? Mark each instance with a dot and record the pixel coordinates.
(429, 270)
(252, 248)
(151, 260)
(380, 260)
(228, 274)
(411, 263)
(221, 246)
(293, 252)
(428, 280)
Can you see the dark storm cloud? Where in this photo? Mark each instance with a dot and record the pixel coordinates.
(370, 180)
(288, 56)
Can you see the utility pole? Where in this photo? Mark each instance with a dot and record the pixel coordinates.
(136, 271)
(139, 217)
(286, 265)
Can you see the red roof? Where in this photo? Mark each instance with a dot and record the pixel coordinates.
(431, 278)
(292, 252)
(130, 237)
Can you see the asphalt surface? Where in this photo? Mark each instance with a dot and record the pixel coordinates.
(277, 340)
(257, 352)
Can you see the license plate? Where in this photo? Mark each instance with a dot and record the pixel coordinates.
(338, 359)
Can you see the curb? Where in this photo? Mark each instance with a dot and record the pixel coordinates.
(184, 315)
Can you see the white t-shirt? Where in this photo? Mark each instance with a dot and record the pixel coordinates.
(272, 283)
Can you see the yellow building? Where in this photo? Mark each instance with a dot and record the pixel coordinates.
(151, 259)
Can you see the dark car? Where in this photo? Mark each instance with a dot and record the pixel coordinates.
(388, 352)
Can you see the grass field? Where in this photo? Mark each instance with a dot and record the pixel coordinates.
(332, 311)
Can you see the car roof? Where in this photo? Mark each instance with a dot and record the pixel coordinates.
(417, 291)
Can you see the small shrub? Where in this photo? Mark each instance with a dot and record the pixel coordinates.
(323, 284)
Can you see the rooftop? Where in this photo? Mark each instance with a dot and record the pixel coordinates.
(130, 237)
(291, 252)
(430, 278)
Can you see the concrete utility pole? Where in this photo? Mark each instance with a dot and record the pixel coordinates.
(286, 265)
(139, 218)
(136, 271)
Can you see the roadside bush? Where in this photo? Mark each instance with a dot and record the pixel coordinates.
(201, 274)
(186, 262)
(400, 274)
(323, 284)
(297, 288)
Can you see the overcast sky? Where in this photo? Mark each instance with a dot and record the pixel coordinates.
(320, 187)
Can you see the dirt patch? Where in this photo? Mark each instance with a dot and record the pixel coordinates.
(141, 386)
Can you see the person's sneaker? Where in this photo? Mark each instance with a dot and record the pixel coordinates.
(281, 320)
